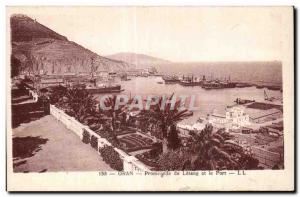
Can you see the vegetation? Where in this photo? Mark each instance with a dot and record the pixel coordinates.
(15, 66)
(116, 116)
(173, 160)
(111, 157)
(174, 141)
(206, 150)
(86, 137)
(156, 150)
(215, 151)
(80, 103)
(94, 142)
(57, 94)
(165, 117)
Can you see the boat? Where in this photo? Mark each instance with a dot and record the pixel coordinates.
(191, 81)
(217, 84)
(243, 85)
(95, 88)
(160, 82)
(240, 101)
(103, 88)
(212, 85)
(170, 79)
(272, 87)
(259, 86)
(228, 84)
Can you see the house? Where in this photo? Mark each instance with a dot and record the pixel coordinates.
(238, 117)
(134, 72)
(231, 118)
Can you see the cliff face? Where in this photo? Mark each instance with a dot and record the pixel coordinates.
(38, 49)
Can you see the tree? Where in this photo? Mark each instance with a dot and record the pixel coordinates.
(166, 116)
(80, 103)
(57, 94)
(216, 151)
(172, 160)
(174, 141)
(209, 150)
(15, 66)
(114, 114)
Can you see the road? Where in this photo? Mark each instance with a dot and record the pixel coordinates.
(46, 145)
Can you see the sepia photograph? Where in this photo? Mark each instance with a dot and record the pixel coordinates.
(137, 93)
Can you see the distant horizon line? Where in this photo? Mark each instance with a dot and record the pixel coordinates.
(196, 61)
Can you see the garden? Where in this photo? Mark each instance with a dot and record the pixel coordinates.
(205, 150)
(135, 142)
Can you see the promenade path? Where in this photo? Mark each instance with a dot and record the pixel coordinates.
(46, 145)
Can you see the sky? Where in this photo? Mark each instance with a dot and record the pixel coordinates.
(181, 34)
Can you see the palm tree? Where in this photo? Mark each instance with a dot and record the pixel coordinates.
(80, 103)
(56, 95)
(211, 152)
(216, 151)
(114, 114)
(166, 116)
(174, 142)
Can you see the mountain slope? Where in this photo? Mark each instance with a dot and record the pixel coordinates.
(139, 60)
(38, 49)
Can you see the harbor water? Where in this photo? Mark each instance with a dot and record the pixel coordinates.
(206, 101)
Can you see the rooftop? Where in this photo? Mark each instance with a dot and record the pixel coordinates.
(257, 113)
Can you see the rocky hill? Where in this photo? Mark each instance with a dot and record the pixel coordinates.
(38, 49)
(139, 60)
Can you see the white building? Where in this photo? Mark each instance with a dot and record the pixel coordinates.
(232, 118)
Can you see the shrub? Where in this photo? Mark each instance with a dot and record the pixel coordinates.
(147, 159)
(94, 126)
(102, 133)
(172, 160)
(248, 162)
(111, 157)
(86, 137)
(156, 150)
(94, 142)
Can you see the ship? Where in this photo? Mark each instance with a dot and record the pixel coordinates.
(240, 101)
(170, 79)
(97, 88)
(218, 84)
(243, 85)
(212, 85)
(103, 88)
(259, 86)
(273, 87)
(229, 84)
(191, 81)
